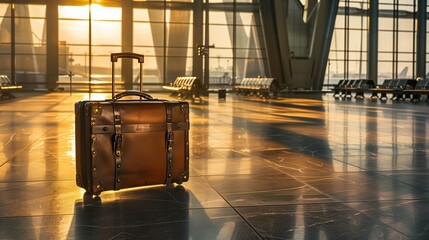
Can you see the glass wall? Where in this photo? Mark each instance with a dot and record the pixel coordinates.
(250, 60)
(85, 48)
(106, 33)
(148, 40)
(221, 36)
(396, 41)
(5, 39)
(162, 30)
(75, 50)
(348, 54)
(164, 33)
(26, 29)
(235, 33)
(179, 44)
(30, 39)
(396, 23)
(427, 44)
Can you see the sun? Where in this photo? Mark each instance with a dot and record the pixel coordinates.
(98, 12)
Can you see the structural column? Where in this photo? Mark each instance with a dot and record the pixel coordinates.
(197, 61)
(127, 42)
(52, 51)
(267, 12)
(421, 39)
(12, 43)
(206, 82)
(321, 42)
(281, 14)
(372, 67)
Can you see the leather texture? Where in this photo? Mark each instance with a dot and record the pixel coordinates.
(130, 143)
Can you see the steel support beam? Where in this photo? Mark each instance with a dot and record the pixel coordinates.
(421, 39)
(206, 81)
(372, 63)
(259, 35)
(197, 61)
(281, 12)
(127, 42)
(12, 44)
(321, 42)
(52, 49)
(273, 18)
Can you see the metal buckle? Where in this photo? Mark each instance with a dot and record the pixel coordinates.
(170, 136)
(117, 145)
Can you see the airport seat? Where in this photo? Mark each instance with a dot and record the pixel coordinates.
(395, 87)
(6, 87)
(260, 86)
(185, 88)
(421, 88)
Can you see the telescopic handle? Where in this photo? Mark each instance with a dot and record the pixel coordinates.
(114, 58)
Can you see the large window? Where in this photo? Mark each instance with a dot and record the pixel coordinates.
(74, 51)
(348, 54)
(23, 35)
(5, 39)
(179, 44)
(149, 41)
(221, 36)
(105, 39)
(163, 31)
(427, 42)
(396, 40)
(78, 50)
(235, 33)
(164, 36)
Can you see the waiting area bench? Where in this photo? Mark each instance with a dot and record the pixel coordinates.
(395, 87)
(262, 87)
(338, 88)
(345, 88)
(185, 88)
(421, 88)
(6, 87)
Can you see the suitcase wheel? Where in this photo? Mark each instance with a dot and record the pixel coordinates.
(91, 199)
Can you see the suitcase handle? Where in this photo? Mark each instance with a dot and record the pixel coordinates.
(132, 93)
(114, 58)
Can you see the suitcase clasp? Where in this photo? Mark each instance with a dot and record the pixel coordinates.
(117, 144)
(170, 137)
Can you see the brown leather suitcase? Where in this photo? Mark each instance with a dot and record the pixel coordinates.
(130, 140)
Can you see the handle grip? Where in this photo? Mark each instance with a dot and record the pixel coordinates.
(114, 56)
(132, 93)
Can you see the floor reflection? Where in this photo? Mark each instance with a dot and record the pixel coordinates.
(163, 212)
(299, 167)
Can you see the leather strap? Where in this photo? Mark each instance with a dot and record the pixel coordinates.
(117, 145)
(169, 142)
(138, 128)
(185, 110)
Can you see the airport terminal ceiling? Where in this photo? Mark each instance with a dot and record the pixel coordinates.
(304, 44)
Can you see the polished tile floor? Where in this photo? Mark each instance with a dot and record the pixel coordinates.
(300, 167)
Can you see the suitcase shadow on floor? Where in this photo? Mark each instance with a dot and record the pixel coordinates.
(150, 194)
(133, 214)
